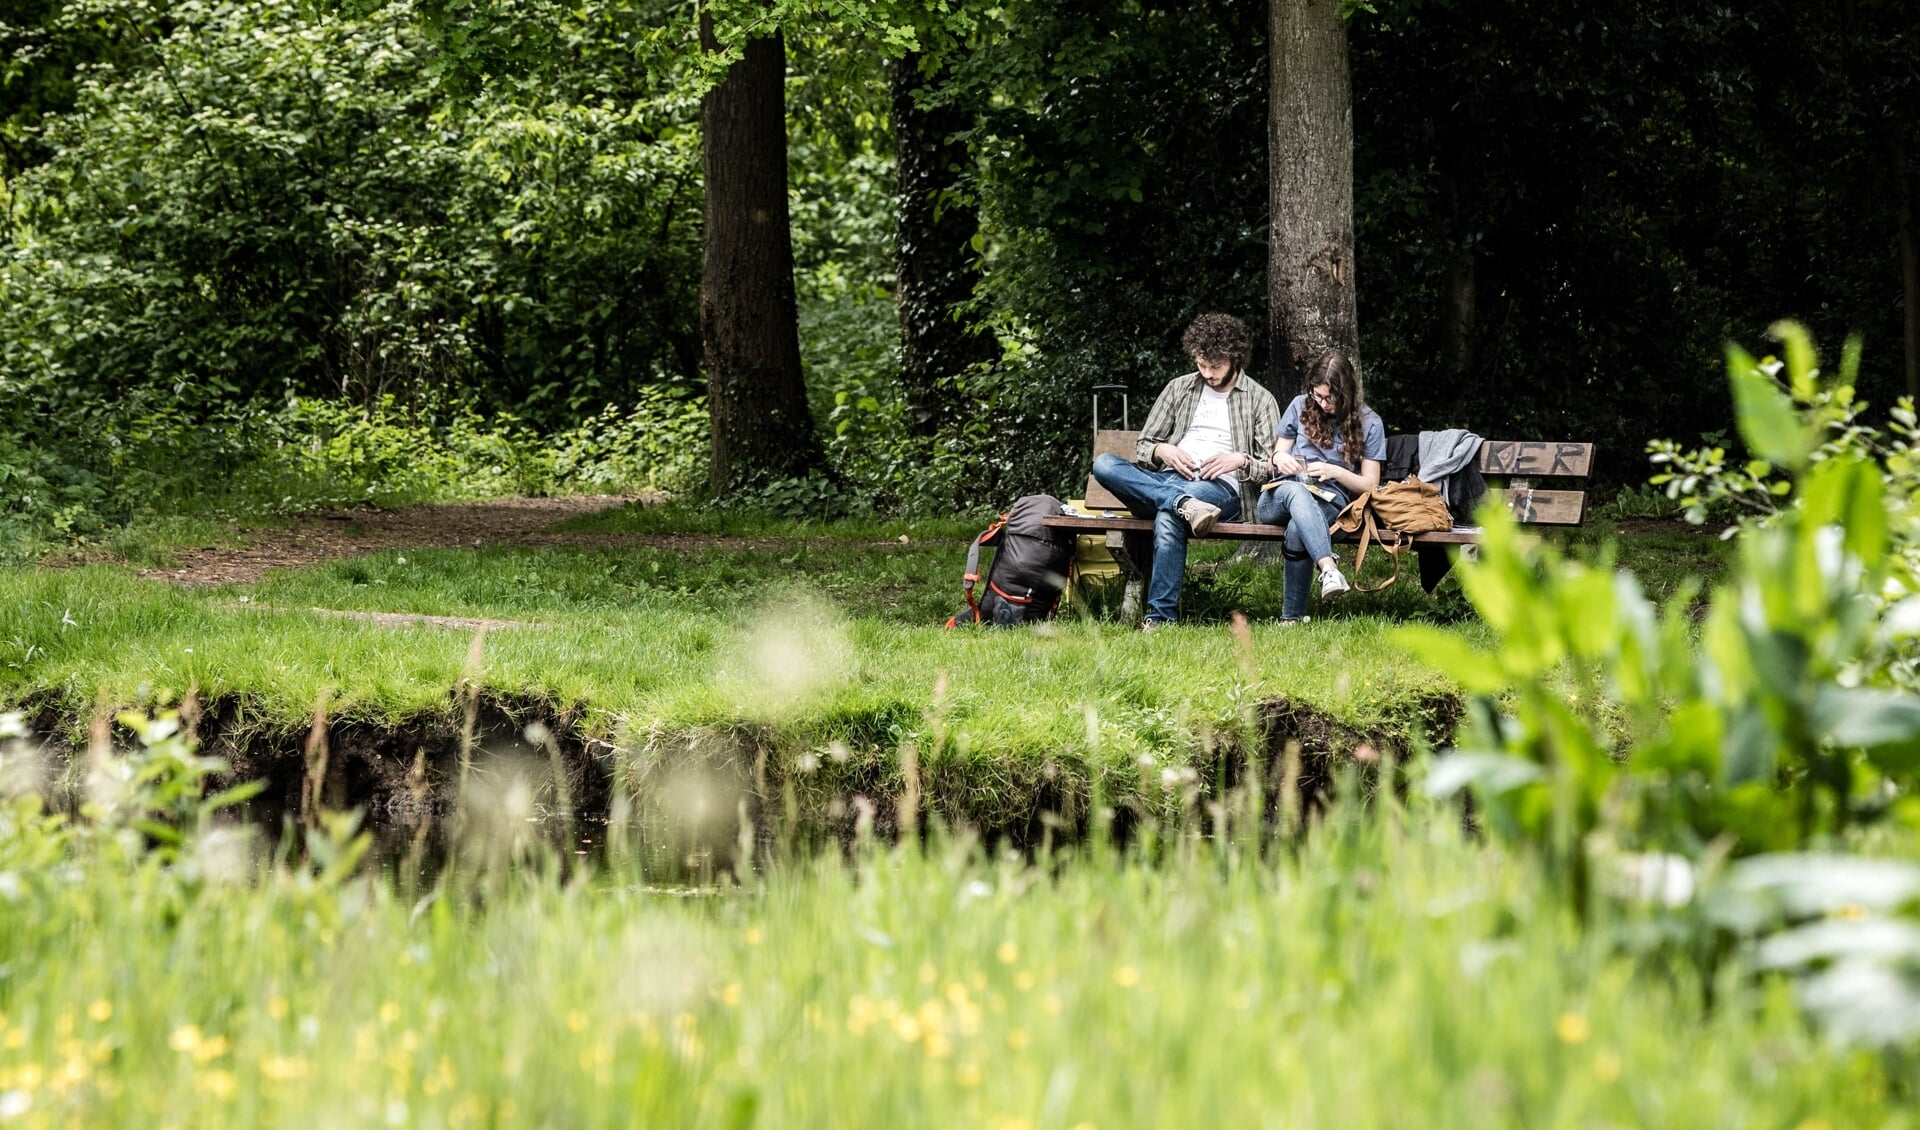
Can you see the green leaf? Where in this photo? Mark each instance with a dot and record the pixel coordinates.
(1748, 748)
(1803, 365)
(1767, 420)
(1491, 774)
(238, 794)
(1851, 494)
(1476, 671)
(1884, 724)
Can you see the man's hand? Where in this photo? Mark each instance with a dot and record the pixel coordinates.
(1175, 459)
(1221, 465)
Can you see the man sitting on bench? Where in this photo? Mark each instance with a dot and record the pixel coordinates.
(1206, 448)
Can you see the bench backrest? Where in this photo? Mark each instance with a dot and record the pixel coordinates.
(1511, 466)
(1117, 442)
(1516, 466)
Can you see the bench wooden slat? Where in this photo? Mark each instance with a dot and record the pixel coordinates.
(1530, 507)
(1547, 507)
(1545, 458)
(1238, 531)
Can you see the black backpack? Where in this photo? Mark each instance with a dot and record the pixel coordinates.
(1031, 567)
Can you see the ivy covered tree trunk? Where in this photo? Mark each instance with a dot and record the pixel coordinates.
(1310, 264)
(934, 253)
(749, 317)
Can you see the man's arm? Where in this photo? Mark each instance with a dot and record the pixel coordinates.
(1159, 426)
(1266, 430)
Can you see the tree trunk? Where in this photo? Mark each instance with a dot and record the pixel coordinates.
(1909, 260)
(933, 253)
(1462, 311)
(749, 317)
(1310, 263)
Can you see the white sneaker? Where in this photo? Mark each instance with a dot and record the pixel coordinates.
(1199, 515)
(1332, 584)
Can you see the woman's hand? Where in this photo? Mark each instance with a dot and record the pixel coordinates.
(1323, 471)
(1287, 464)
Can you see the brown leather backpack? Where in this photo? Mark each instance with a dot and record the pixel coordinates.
(1390, 514)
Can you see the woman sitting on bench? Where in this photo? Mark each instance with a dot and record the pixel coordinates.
(1316, 477)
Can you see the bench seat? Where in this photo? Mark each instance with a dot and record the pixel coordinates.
(1234, 531)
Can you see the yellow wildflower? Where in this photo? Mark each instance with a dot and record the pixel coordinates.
(1572, 1028)
(282, 1068)
(576, 1021)
(219, 1084)
(100, 1011)
(185, 1038)
(1126, 976)
(389, 1012)
(277, 1008)
(1606, 1067)
(967, 1074)
(1008, 953)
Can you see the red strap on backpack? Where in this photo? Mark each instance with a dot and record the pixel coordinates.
(972, 576)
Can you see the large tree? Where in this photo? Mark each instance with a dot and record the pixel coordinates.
(1310, 259)
(756, 394)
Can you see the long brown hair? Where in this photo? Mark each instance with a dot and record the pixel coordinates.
(1337, 373)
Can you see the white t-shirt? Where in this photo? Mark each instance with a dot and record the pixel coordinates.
(1211, 431)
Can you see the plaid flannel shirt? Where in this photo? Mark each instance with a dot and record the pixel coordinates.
(1253, 418)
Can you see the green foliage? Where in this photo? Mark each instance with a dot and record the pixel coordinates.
(1787, 725)
(160, 466)
(659, 446)
(1639, 748)
(333, 224)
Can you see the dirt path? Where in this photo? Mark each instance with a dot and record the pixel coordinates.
(509, 522)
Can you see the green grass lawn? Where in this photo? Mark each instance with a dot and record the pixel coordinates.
(1380, 970)
(817, 639)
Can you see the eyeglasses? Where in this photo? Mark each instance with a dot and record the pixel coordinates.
(1323, 399)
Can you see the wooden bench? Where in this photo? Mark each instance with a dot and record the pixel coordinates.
(1514, 470)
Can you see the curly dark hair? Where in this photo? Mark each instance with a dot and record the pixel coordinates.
(1219, 337)
(1335, 370)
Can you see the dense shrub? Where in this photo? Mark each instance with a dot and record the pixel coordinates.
(274, 200)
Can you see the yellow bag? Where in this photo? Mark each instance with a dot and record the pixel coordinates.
(1390, 514)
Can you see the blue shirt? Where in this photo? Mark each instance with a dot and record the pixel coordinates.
(1373, 437)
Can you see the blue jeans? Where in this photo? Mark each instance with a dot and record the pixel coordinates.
(1159, 493)
(1309, 523)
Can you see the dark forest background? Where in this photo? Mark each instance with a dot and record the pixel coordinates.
(264, 255)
